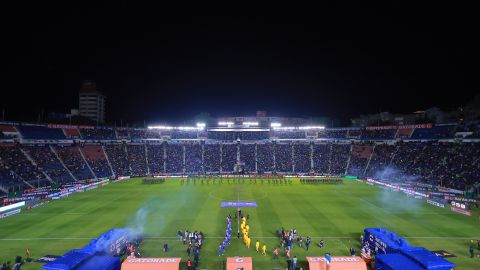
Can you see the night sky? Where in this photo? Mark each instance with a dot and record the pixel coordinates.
(159, 64)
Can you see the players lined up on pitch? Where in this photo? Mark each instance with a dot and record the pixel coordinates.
(228, 235)
(215, 180)
(194, 242)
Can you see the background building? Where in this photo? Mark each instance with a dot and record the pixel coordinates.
(91, 102)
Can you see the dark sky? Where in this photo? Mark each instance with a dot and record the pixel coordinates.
(154, 64)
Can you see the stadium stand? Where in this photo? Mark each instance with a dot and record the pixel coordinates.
(378, 134)
(339, 158)
(184, 135)
(436, 132)
(381, 159)
(247, 157)
(404, 133)
(404, 159)
(15, 167)
(193, 157)
(448, 162)
(333, 134)
(137, 134)
(48, 162)
(97, 133)
(302, 157)
(7, 128)
(122, 133)
(155, 158)
(73, 160)
(229, 157)
(137, 159)
(289, 134)
(118, 159)
(265, 162)
(354, 134)
(7, 132)
(359, 158)
(321, 158)
(41, 133)
(212, 158)
(174, 159)
(283, 157)
(96, 159)
(233, 135)
(71, 132)
(222, 136)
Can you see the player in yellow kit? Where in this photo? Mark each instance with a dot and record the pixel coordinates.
(264, 249)
(248, 242)
(257, 246)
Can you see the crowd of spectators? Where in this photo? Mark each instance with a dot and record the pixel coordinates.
(137, 134)
(47, 161)
(184, 135)
(321, 158)
(453, 164)
(339, 158)
(381, 158)
(96, 159)
(283, 157)
(449, 164)
(236, 135)
(229, 157)
(379, 134)
(117, 156)
(247, 157)
(289, 134)
(174, 158)
(354, 134)
(122, 133)
(211, 157)
(137, 159)
(359, 157)
(302, 157)
(98, 133)
(15, 167)
(332, 134)
(436, 132)
(193, 157)
(74, 161)
(265, 162)
(155, 158)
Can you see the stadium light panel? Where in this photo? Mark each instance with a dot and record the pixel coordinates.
(222, 123)
(201, 125)
(274, 125)
(312, 127)
(187, 128)
(250, 123)
(238, 129)
(160, 127)
(284, 128)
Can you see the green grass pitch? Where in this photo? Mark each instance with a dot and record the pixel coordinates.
(336, 213)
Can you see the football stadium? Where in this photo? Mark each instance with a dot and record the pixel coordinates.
(330, 137)
(202, 196)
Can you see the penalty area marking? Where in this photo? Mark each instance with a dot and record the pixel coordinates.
(221, 237)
